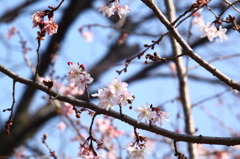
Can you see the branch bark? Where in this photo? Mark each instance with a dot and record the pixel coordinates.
(183, 84)
(229, 141)
(188, 50)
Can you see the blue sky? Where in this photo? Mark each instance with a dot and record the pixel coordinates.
(154, 91)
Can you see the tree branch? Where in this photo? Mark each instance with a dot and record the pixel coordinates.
(183, 84)
(188, 50)
(229, 141)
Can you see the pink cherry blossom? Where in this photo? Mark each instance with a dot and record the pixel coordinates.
(67, 109)
(87, 152)
(160, 115)
(69, 90)
(11, 32)
(145, 113)
(50, 27)
(107, 129)
(38, 18)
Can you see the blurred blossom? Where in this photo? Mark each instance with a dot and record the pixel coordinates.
(107, 129)
(88, 36)
(109, 11)
(87, 152)
(11, 32)
(106, 10)
(138, 152)
(61, 126)
(172, 66)
(67, 109)
(121, 10)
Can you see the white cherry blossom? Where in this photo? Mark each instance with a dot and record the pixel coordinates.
(78, 76)
(160, 115)
(212, 32)
(117, 86)
(115, 7)
(115, 94)
(221, 33)
(121, 10)
(209, 31)
(106, 10)
(145, 113)
(137, 152)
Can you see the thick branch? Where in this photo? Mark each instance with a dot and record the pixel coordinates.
(188, 50)
(183, 84)
(229, 141)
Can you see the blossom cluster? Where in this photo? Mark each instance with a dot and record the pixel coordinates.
(79, 76)
(107, 129)
(115, 7)
(210, 31)
(46, 26)
(138, 151)
(152, 114)
(115, 94)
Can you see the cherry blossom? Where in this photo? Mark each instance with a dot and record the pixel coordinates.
(109, 11)
(79, 76)
(160, 115)
(107, 98)
(38, 18)
(11, 32)
(67, 109)
(87, 152)
(198, 20)
(115, 94)
(69, 90)
(212, 32)
(117, 86)
(50, 27)
(145, 113)
(106, 128)
(221, 33)
(88, 35)
(209, 31)
(138, 152)
(61, 126)
(121, 10)
(125, 97)
(106, 10)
